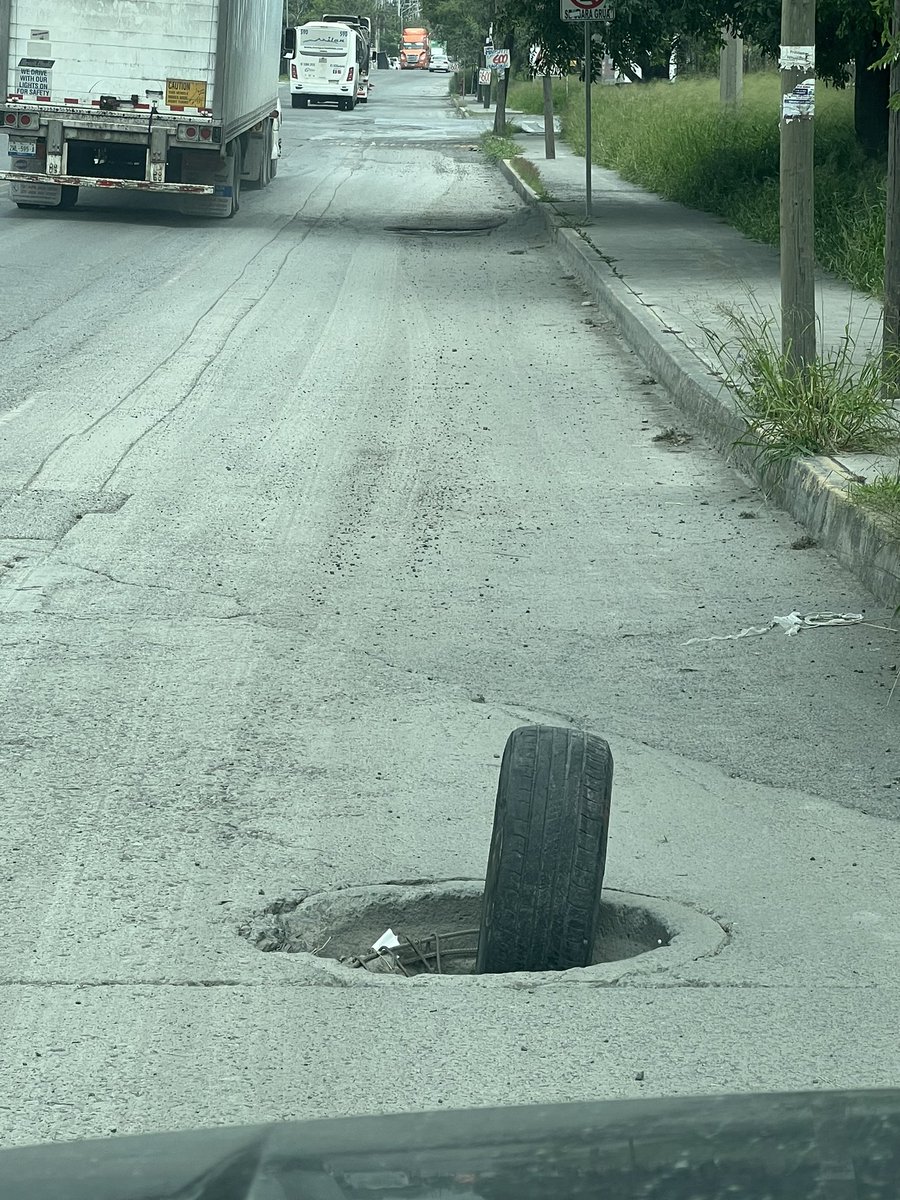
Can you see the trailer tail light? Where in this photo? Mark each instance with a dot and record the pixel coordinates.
(205, 133)
(293, 70)
(25, 120)
(187, 133)
(9, 119)
(350, 75)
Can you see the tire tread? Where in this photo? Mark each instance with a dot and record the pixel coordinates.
(548, 851)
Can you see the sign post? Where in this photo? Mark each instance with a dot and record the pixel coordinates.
(587, 12)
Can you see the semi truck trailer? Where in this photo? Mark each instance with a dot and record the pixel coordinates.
(159, 96)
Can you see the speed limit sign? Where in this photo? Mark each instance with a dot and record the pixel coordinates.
(497, 60)
(586, 10)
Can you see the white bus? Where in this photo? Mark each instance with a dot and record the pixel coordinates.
(327, 64)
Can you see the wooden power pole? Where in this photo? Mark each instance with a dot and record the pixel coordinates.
(549, 127)
(891, 336)
(798, 281)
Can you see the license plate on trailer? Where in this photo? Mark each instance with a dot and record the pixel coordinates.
(20, 148)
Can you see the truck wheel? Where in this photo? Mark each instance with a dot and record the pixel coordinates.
(68, 196)
(548, 852)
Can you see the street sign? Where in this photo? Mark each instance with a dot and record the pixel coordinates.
(484, 75)
(585, 10)
(497, 60)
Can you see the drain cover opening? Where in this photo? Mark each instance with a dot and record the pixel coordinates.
(436, 927)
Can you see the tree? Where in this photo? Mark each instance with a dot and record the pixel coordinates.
(849, 41)
(642, 33)
(384, 20)
(460, 25)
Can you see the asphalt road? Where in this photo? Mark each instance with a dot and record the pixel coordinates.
(300, 515)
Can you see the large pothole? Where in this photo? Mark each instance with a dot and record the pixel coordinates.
(436, 926)
(446, 225)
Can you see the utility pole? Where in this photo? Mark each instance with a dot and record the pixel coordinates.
(891, 331)
(731, 70)
(588, 143)
(798, 281)
(500, 106)
(549, 131)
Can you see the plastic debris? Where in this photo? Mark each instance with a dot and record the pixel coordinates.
(387, 941)
(791, 624)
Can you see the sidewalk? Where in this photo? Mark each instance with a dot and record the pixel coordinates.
(666, 274)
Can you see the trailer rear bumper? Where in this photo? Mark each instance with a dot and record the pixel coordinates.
(135, 185)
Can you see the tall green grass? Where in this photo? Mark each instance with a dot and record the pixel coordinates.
(528, 96)
(678, 141)
(839, 402)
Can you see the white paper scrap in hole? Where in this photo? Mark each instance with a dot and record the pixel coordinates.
(387, 941)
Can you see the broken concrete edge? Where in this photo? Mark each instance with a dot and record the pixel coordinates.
(694, 935)
(815, 490)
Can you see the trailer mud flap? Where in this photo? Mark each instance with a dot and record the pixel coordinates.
(211, 168)
(28, 192)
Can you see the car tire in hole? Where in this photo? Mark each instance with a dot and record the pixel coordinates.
(548, 852)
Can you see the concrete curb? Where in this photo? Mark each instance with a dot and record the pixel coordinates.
(813, 490)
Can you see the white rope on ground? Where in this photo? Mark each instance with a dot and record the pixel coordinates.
(791, 624)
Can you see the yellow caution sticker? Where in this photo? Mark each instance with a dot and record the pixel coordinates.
(185, 93)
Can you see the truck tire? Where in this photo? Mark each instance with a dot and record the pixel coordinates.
(548, 852)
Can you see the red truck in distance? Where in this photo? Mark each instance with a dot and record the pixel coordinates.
(415, 50)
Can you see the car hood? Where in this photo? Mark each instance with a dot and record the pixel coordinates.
(800, 1146)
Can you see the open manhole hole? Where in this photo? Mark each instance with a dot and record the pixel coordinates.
(448, 226)
(435, 928)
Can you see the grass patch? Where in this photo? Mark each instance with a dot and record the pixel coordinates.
(495, 148)
(836, 404)
(527, 95)
(678, 141)
(526, 170)
(881, 496)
